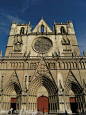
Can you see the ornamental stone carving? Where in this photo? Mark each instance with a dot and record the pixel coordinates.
(42, 44)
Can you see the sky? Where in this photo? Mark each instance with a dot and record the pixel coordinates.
(23, 11)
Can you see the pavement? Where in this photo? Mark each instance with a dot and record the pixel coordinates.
(46, 114)
(7, 114)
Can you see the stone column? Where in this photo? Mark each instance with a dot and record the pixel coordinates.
(2, 102)
(50, 104)
(27, 102)
(36, 103)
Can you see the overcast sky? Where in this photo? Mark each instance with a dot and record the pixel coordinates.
(23, 11)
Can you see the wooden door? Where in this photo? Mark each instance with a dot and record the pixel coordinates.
(42, 104)
(73, 104)
(13, 103)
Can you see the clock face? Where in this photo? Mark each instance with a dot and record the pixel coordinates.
(42, 44)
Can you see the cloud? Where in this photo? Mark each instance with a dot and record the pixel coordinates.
(6, 19)
(29, 3)
(15, 19)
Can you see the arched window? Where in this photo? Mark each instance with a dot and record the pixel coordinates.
(29, 78)
(42, 28)
(22, 30)
(72, 65)
(58, 64)
(63, 65)
(25, 78)
(63, 30)
(75, 65)
(66, 65)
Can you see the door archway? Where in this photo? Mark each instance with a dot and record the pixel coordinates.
(43, 104)
(51, 88)
(12, 93)
(76, 101)
(73, 104)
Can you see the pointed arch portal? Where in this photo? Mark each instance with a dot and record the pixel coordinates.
(76, 101)
(44, 103)
(12, 93)
(76, 97)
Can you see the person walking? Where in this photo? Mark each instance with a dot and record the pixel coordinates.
(23, 112)
(9, 111)
(26, 112)
(20, 112)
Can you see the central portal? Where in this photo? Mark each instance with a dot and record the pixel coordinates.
(42, 104)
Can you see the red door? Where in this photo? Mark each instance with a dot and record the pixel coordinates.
(42, 104)
(73, 104)
(13, 103)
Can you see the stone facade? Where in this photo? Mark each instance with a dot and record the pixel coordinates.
(42, 62)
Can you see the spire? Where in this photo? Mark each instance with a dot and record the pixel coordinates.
(29, 22)
(54, 22)
(84, 52)
(1, 53)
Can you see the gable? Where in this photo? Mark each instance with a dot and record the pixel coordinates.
(38, 26)
(72, 83)
(13, 84)
(42, 70)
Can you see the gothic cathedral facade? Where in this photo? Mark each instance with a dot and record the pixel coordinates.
(42, 69)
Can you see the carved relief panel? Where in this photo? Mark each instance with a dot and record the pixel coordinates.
(17, 43)
(33, 65)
